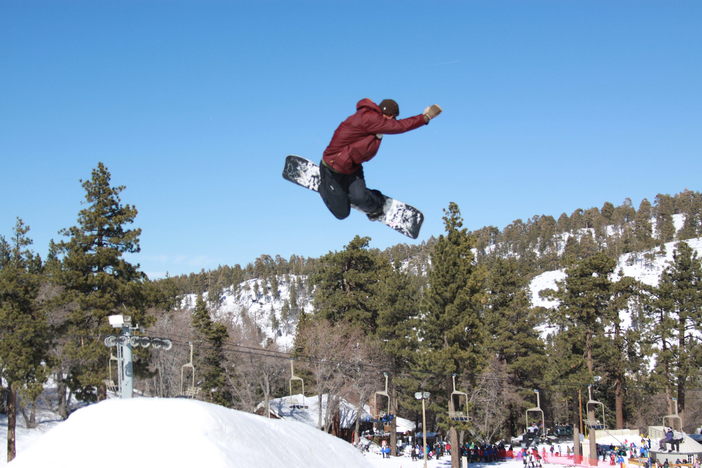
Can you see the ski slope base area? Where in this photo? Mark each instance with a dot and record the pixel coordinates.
(181, 433)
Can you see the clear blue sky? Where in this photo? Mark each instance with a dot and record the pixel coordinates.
(548, 106)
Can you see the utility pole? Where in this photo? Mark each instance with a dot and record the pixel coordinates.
(425, 396)
(580, 410)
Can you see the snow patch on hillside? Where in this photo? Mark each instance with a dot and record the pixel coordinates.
(255, 301)
(542, 282)
(646, 267)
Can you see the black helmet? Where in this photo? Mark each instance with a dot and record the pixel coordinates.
(389, 107)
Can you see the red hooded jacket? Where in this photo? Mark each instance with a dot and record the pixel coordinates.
(356, 140)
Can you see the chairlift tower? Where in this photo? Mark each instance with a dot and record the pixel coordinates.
(124, 344)
(125, 373)
(458, 403)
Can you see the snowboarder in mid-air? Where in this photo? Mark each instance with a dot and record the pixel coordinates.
(356, 141)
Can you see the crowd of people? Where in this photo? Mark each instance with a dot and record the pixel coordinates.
(474, 452)
(435, 450)
(634, 452)
(485, 452)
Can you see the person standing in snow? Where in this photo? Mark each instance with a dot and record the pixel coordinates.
(355, 141)
(384, 449)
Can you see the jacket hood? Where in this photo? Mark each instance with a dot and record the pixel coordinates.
(368, 104)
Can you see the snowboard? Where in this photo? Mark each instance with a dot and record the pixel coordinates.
(400, 216)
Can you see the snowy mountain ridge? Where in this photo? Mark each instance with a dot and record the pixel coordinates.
(273, 305)
(557, 244)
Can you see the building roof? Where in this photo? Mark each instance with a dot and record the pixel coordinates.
(305, 409)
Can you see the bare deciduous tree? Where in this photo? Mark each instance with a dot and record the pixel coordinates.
(167, 365)
(489, 402)
(338, 358)
(255, 371)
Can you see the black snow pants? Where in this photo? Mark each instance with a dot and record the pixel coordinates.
(339, 191)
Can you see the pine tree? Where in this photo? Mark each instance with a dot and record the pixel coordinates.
(594, 221)
(678, 302)
(564, 224)
(577, 220)
(623, 216)
(690, 204)
(285, 316)
(451, 331)
(396, 322)
(665, 228)
(615, 352)
(607, 212)
(514, 340)
(588, 246)
(98, 281)
(397, 315)
(347, 285)
(275, 287)
(274, 322)
(643, 231)
(564, 372)
(586, 310)
(210, 338)
(24, 340)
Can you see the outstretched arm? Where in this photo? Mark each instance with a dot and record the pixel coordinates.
(377, 123)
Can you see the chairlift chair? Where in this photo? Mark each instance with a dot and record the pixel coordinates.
(110, 384)
(674, 418)
(191, 391)
(458, 403)
(386, 416)
(536, 409)
(593, 424)
(293, 403)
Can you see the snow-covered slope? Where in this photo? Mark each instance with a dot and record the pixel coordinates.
(648, 266)
(643, 266)
(180, 433)
(254, 301)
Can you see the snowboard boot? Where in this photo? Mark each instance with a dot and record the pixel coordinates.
(376, 215)
(380, 211)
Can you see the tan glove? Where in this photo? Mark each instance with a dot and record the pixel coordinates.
(431, 112)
